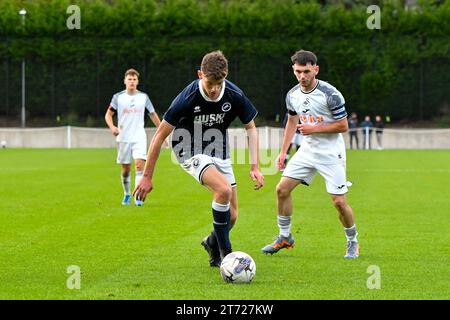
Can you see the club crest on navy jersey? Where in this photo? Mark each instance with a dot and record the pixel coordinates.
(226, 107)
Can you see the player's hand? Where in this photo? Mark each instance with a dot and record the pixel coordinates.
(115, 131)
(257, 176)
(306, 129)
(142, 189)
(166, 144)
(281, 159)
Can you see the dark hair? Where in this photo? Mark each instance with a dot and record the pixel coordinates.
(131, 72)
(303, 57)
(214, 65)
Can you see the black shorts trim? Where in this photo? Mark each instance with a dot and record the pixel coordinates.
(301, 181)
(200, 176)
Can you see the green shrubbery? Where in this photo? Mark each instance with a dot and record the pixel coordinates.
(401, 70)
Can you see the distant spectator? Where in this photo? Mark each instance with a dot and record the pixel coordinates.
(353, 129)
(379, 125)
(367, 126)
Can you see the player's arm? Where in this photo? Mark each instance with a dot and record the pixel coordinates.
(156, 121)
(253, 144)
(146, 185)
(337, 126)
(289, 131)
(109, 121)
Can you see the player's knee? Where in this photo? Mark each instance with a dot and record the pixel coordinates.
(339, 203)
(223, 194)
(282, 191)
(126, 171)
(139, 166)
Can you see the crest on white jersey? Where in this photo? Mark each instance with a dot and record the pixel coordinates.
(306, 102)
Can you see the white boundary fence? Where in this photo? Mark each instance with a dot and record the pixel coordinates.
(77, 137)
(401, 139)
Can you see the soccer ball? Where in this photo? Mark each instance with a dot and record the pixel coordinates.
(238, 267)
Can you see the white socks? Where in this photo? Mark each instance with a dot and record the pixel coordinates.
(137, 177)
(126, 181)
(284, 223)
(125, 184)
(351, 234)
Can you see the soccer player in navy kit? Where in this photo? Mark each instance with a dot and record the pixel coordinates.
(199, 117)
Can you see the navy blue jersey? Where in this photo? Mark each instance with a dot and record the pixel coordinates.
(201, 124)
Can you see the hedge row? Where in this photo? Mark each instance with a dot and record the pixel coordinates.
(402, 70)
(238, 18)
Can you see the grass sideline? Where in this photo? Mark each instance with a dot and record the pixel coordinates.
(62, 207)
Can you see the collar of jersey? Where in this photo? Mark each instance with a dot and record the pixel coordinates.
(206, 97)
(131, 94)
(317, 84)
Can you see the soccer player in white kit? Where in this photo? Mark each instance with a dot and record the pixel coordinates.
(131, 105)
(320, 107)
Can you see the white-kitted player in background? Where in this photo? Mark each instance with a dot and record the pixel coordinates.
(131, 106)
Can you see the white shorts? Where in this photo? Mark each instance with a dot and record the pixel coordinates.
(299, 168)
(131, 150)
(198, 164)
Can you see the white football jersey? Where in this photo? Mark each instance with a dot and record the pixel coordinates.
(322, 104)
(131, 110)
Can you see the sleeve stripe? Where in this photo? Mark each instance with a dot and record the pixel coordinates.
(338, 107)
(340, 115)
(337, 114)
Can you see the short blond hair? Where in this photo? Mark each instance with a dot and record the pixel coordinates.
(215, 65)
(131, 72)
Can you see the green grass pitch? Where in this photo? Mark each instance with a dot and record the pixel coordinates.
(62, 207)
